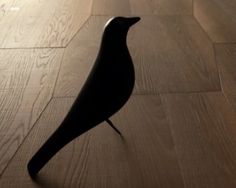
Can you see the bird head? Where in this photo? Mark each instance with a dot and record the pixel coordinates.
(120, 24)
(116, 28)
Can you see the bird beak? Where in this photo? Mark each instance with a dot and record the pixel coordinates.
(131, 21)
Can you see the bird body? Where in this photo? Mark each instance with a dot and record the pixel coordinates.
(107, 88)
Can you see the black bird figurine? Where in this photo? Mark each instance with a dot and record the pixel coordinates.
(107, 88)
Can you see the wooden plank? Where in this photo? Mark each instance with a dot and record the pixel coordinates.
(111, 7)
(157, 7)
(45, 23)
(226, 57)
(203, 129)
(27, 82)
(217, 18)
(170, 54)
(145, 157)
(174, 55)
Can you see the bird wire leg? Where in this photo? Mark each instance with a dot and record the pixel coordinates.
(112, 125)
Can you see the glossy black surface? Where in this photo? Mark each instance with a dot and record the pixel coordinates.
(107, 88)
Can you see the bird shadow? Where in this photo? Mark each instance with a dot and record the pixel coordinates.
(46, 182)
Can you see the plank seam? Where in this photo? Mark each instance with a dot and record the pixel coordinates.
(26, 136)
(85, 22)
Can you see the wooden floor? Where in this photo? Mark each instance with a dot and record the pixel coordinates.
(179, 126)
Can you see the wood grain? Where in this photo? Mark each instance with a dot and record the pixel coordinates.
(203, 129)
(27, 82)
(226, 58)
(157, 7)
(174, 55)
(44, 23)
(144, 157)
(217, 18)
(185, 140)
(111, 7)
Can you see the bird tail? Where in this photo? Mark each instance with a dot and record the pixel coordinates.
(58, 140)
